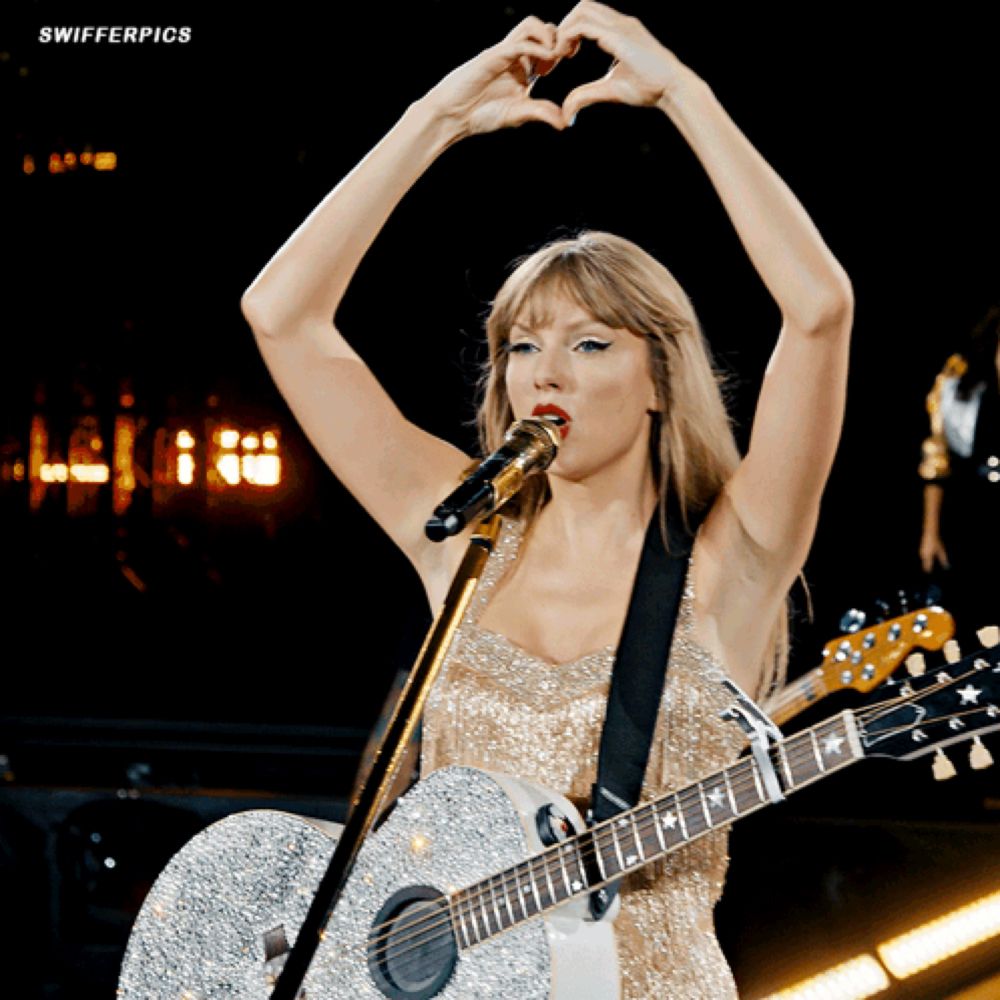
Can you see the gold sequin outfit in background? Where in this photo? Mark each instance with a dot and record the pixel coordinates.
(496, 707)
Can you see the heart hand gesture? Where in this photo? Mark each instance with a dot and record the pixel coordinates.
(644, 71)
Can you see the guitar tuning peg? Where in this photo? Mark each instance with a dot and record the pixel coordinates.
(943, 768)
(989, 635)
(852, 620)
(883, 610)
(916, 664)
(904, 602)
(952, 652)
(979, 757)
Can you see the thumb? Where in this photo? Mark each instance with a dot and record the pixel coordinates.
(586, 94)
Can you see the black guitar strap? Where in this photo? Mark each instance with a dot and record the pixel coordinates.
(638, 677)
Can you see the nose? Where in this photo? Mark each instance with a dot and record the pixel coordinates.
(550, 370)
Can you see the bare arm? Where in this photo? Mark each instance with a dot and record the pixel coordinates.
(757, 536)
(931, 547)
(397, 471)
(776, 491)
(797, 425)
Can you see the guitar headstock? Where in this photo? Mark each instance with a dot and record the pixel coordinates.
(864, 658)
(955, 702)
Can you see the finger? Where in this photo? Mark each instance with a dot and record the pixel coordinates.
(512, 50)
(589, 93)
(586, 22)
(528, 109)
(536, 29)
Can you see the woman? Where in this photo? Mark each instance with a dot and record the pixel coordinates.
(601, 332)
(961, 460)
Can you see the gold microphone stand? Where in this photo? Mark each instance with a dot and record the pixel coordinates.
(388, 758)
(532, 444)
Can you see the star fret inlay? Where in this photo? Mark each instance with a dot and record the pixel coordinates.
(969, 694)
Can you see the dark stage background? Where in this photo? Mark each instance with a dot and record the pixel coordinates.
(202, 654)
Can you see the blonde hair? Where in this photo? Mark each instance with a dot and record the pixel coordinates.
(692, 449)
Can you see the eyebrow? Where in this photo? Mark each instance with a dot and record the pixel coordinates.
(575, 325)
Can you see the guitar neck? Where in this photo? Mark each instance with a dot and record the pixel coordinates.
(798, 696)
(636, 838)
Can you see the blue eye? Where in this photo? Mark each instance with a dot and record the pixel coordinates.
(521, 347)
(590, 345)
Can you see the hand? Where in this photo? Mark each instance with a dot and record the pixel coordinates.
(932, 550)
(644, 71)
(492, 91)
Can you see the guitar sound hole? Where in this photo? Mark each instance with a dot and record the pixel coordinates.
(411, 947)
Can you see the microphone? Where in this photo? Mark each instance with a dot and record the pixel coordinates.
(529, 446)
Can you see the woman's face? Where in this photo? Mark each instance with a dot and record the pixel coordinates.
(595, 377)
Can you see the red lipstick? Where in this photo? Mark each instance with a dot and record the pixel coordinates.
(550, 409)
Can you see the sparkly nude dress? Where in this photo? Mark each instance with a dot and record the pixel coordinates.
(498, 708)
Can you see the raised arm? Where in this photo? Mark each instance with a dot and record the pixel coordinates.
(775, 493)
(397, 471)
(758, 533)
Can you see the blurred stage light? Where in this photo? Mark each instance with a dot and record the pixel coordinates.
(942, 938)
(267, 470)
(185, 469)
(229, 468)
(54, 472)
(852, 980)
(89, 473)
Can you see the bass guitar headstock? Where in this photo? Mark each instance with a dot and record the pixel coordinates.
(862, 659)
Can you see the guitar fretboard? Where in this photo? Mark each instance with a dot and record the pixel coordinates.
(649, 831)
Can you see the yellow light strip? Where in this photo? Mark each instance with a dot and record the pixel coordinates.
(939, 939)
(854, 979)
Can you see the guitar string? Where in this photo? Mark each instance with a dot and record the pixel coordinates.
(804, 749)
(441, 928)
(603, 835)
(443, 939)
(879, 709)
(693, 794)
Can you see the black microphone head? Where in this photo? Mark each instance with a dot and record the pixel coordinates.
(437, 529)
